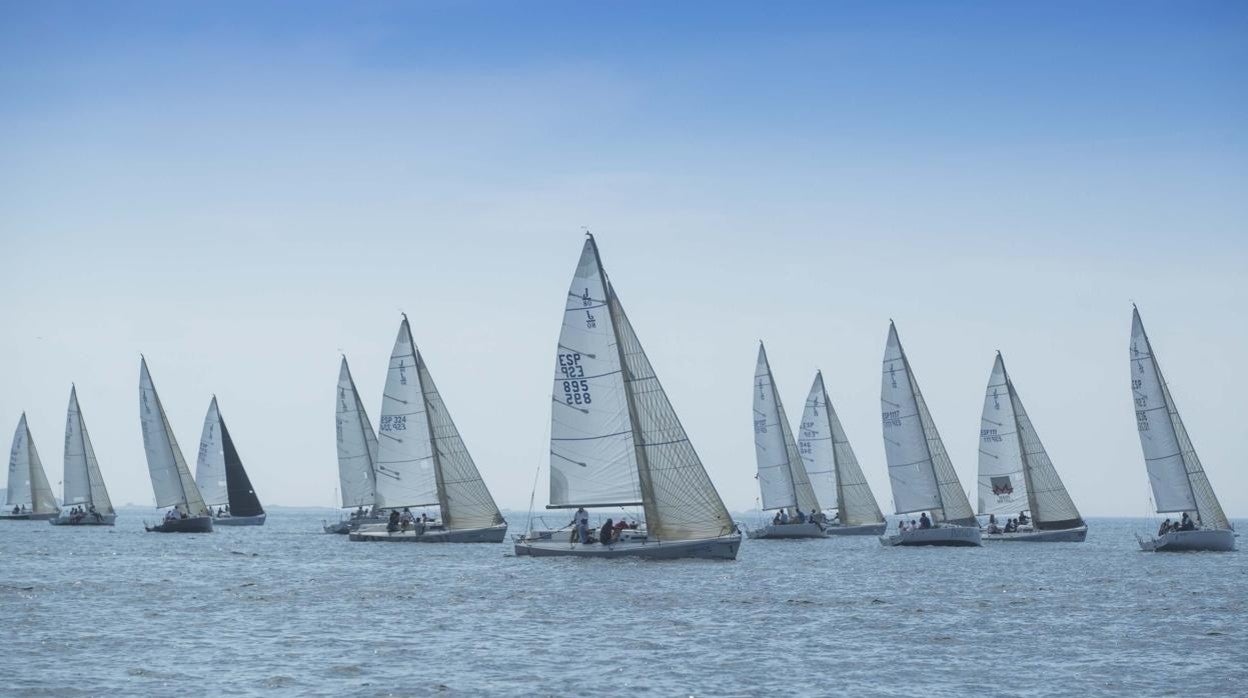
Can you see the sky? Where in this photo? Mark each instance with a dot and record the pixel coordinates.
(245, 191)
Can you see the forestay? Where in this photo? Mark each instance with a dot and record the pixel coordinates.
(84, 485)
(210, 466)
(465, 500)
(171, 478)
(1174, 470)
(919, 469)
(28, 483)
(404, 467)
(782, 476)
(831, 463)
(357, 444)
(592, 452)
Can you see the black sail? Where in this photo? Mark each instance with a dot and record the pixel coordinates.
(243, 499)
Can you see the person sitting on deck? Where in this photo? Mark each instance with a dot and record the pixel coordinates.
(1022, 518)
(1011, 526)
(620, 526)
(1187, 524)
(902, 526)
(784, 517)
(606, 533)
(1165, 527)
(392, 524)
(814, 516)
(406, 519)
(581, 520)
(992, 524)
(16, 511)
(775, 520)
(924, 522)
(801, 518)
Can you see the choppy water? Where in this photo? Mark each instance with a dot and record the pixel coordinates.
(285, 609)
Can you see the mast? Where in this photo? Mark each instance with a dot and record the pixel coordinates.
(639, 449)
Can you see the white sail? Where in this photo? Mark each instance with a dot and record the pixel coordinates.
(357, 444)
(782, 476)
(1051, 505)
(919, 469)
(830, 461)
(404, 467)
(1002, 483)
(465, 500)
(592, 452)
(171, 478)
(28, 483)
(210, 467)
(84, 485)
(1177, 477)
(775, 481)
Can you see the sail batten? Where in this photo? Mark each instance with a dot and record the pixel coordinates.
(1178, 479)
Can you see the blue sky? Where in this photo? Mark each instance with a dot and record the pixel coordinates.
(242, 190)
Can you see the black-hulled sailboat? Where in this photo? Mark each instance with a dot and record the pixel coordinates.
(222, 480)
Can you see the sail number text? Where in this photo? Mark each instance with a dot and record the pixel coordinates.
(575, 387)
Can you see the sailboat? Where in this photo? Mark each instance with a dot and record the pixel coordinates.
(919, 470)
(29, 495)
(1015, 473)
(171, 479)
(422, 461)
(615, 440)
(84, 486)
(221, 478)
(782, 478)
(357, 453)
(1174, 471)
(833, 468)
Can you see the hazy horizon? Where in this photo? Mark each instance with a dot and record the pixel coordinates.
(244, 194)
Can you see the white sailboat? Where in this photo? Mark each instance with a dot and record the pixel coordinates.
(833, 468)
(782, 478)
(171, 479)
(919, 470)
(357, 454)
(85, 494)
(615, 440)
(29, 496)
(422, 461)
(1178, 479)
(222, 480)
(1016, 475)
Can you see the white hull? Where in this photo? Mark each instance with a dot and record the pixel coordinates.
(1064, 535)
(87, 520)
(378, 533)
(858, 530)
(956, 536)
(257, 520)
(1218, 540)
(782, 531)
(722, 548)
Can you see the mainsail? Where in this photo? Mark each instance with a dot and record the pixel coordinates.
(1178, 480)
(614, 434)
(1015, 472)
(357, 444)
(219, 471)
(919, 469)
(171, 479)
(84, 485)
(782, 477)
(830, 461)
(28, 484)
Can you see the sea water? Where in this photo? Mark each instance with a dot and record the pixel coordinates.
(286, 609)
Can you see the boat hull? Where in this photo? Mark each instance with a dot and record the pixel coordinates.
(787, 531)
(379, 534)
(29, 517)
(951, 536)
(859, 530)
(1065, 535)
(194, 524)
(1216, 540)
(101, 520)
(345, 526)
(722, 548)
(257, 520)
